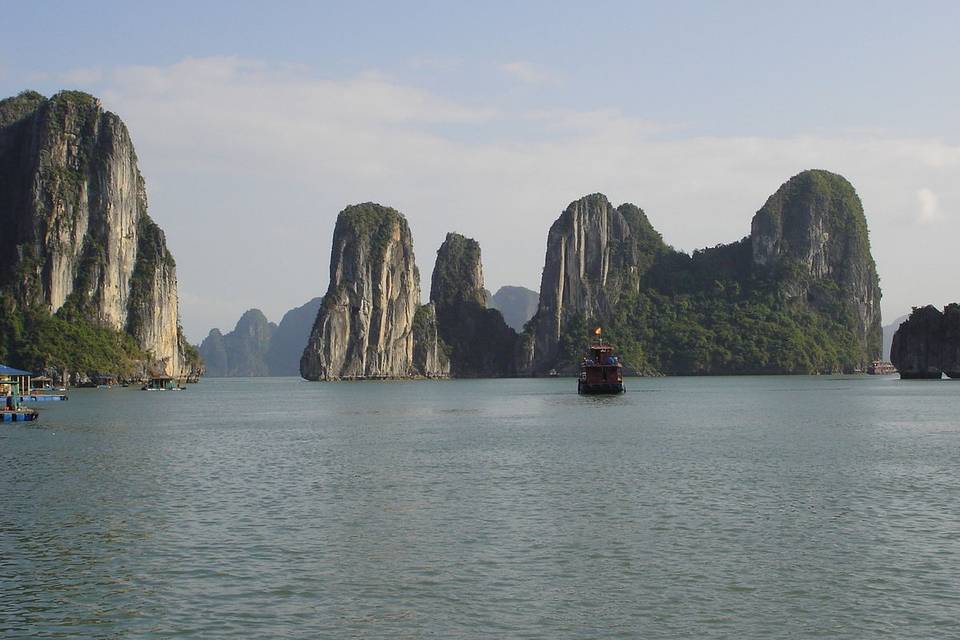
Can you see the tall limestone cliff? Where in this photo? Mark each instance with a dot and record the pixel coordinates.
(596, 254)
(430, 357)
(800, 294)
(76, 235)
(481, 344)
(365, 326)
(812, 235)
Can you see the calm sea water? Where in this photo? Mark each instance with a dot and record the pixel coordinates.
(784, 507)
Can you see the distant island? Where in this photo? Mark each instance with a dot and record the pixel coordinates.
(257, 347)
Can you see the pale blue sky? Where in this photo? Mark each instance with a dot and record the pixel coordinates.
(255, 124)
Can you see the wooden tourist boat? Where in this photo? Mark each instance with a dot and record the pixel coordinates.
(601, 371)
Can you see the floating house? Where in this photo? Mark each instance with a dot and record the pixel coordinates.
(162, 383)
(12, 381)
(104, 380)
(41, 389)
(10, 377)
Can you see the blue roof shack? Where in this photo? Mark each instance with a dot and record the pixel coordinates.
(9, 374)
(10, 377)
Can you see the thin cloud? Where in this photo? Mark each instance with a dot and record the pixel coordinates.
(928, 206)
(531, 73)
(247, 165)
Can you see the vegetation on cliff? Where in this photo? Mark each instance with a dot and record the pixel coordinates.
(35, 339)
(800, 295)
(480, 342)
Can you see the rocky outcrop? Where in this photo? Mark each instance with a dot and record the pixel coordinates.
(73, 207)
(596, 254)
(517, 304)
(950, 353)
(812, 236)
(481, 344)
(291, 335)
(918, 344)
(927, 344)
(242, 352)
(364, 328)
(800, 294)
(430, 357)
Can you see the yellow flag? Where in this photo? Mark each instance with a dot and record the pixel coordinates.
(596, 331)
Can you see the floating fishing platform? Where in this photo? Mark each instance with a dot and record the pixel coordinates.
(162, 383)
(12, 381)
(43, 397)
(18, 415)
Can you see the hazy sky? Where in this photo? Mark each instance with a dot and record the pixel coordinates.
(255, 125)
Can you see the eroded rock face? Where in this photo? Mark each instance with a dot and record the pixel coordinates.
(596, 253)
(430, 358)
(950, 353)
(918, 344)
(812, 236)
(364, 328)
(76, 231)
(481, 344)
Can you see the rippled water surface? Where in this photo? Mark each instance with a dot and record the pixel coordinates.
(724, 507)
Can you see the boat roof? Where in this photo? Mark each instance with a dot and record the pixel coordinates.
(10, 371)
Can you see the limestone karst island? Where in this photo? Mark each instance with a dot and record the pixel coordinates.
(89, 289)
(547, 320)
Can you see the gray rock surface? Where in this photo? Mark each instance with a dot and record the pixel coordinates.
(73, 207)
(595, 254)
(364, 328)
(430, 358)
(481, 345)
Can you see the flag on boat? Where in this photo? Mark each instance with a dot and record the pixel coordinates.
(596, 331)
